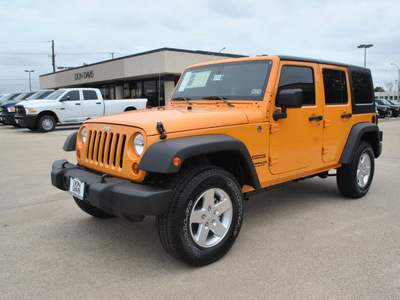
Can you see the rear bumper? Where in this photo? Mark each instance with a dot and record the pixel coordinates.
(118, 196)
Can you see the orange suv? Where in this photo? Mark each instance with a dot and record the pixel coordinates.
(231, 129)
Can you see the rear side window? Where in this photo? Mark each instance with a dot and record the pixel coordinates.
(89, 95)
(335, 86)
(362, 87)
(295, 77)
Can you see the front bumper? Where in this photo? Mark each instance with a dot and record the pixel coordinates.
(118, 196)
(26, 120)
(8, 118)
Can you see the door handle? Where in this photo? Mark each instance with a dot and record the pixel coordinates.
(77, 104)
(346, 116)
(317, 118)
(98, 102)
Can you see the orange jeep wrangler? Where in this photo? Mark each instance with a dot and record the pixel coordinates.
(232, 129)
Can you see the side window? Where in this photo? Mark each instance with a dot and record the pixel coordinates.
(294, 77)
(335, 86)
(73, 95)
(362, 87)
(89, 95)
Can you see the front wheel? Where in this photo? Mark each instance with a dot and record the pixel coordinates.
(204, 218)
(354, 179)
(46, 123)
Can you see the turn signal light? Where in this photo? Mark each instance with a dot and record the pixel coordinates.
(177, 161)
(135, 168)
(78, 154)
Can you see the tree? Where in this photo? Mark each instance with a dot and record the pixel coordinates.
(379, 89)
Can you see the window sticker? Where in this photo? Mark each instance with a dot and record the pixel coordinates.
(256, 91)
(218, 77)
(185, 81)
(198, 79)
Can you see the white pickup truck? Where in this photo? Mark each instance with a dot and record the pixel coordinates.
(70, 106)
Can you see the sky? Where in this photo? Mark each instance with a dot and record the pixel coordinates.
(89, 31)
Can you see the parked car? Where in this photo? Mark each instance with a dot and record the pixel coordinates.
(8, 98)
(383, 109)
(395, 107)
(232, 129)
(7, 109)
(70, 106)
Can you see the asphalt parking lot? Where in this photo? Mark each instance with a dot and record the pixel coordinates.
(298, 241)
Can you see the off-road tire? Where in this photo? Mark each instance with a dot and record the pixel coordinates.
(354, 179)
(91, 210)
(179, 230)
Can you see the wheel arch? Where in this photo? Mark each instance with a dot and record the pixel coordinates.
(368, 132)
(220, 150)
(129, 108)
(47, 112)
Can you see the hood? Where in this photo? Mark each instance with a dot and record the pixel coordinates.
(35, 103)
(9, 103)
(180, 118)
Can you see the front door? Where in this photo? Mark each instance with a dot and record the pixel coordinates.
(296, 141)
(71, 107)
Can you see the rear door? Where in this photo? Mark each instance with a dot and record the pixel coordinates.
(92, 106)
(337, 111)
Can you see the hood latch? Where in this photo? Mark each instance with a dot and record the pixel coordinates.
(161, 130)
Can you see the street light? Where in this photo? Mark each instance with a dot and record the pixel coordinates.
(398, 80)
(30, 84)
(365, 51)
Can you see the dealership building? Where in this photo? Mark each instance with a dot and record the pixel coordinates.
(152, 75)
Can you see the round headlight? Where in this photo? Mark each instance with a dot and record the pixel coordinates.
(138, 143)
(84, 134)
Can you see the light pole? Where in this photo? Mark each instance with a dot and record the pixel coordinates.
(30, 84)
(398, 80)
(365, 51)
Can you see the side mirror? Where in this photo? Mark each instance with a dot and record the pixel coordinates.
(290, 98)
(65, 98)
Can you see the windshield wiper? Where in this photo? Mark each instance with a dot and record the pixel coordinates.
(219, 98)
(183, 98)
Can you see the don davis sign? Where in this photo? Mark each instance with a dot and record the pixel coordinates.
(84, 75)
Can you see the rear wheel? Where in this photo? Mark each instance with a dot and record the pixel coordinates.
(354, 179)
(91, 210)
(204, 218)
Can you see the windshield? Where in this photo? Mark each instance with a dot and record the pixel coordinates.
(393, 102)
(55, 95)
(232, 81)
(40, 95)
(10, 97)
(23, 96)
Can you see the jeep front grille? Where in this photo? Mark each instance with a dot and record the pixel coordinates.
(106, 148)
(3, 109)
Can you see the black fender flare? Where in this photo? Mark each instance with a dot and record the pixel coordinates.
(70, 142)
(159, 156)
(366, 131)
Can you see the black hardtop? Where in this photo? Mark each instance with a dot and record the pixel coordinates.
(325, 62)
